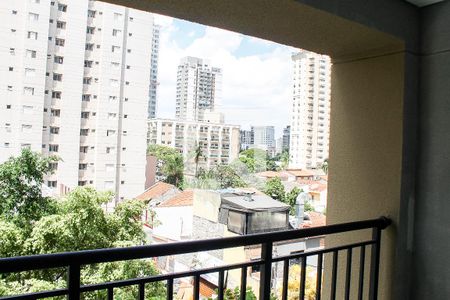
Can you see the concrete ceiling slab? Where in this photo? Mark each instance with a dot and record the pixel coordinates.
(421, 3)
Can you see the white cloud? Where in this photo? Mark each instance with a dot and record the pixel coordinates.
(163, 20)
(256, 89)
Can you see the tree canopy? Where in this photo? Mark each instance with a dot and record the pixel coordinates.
(170, 163)
(75, 222)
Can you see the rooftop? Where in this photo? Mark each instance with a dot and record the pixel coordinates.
(186, 198)
(156, 190)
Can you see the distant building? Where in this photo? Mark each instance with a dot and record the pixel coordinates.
(310, 125)
(286, 138)
(153, 100)
(264, 138)
(198, 88)
(219, 142)
(246, 139)
(279, 145)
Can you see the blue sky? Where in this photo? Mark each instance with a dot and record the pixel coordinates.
(257, 75)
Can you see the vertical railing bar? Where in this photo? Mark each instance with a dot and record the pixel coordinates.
(141, 291)
(319, 276)
(334, 275)
(110, 293)
(285, 279)
(243, 283)
(348, 274)
(303, 278)
(221, 287)
(266, 271)
(362, 262)
(196, 287)
(375, 264)
(74, 282)
(169, 289)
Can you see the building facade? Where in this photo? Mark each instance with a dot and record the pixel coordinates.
(219, 142)
(198, 89)
(246, 139)
(76, 85)
(310, 122)
(153, 100)
(264, 138)
(286, 138)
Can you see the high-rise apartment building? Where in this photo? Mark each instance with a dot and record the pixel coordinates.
(219, 142)
(286, 137)
(246, 139)
(264, 138)
(310, 120)
(198, 88)
(153, 101)
(75, 83)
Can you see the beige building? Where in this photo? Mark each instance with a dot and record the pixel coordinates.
(310, 115)
(219, 142)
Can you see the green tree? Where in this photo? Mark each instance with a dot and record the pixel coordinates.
(198, 153)
(324, 166)
(234, 294)
(21, 179)
(275, 189)
(284, 158)
(170, 163)
(254, 159)
(291, 198)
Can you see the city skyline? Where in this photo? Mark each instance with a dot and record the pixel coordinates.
(257, 74)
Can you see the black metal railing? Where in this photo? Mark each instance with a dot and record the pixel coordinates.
(74, 261)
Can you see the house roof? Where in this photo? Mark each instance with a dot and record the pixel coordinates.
(186, 198)
(156, 190)
(316, 219)
(272, 174)
(301, 173)
(257, 203)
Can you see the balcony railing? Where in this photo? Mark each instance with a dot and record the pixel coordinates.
(74, 261)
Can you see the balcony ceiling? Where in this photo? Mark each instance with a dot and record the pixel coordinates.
(421, 3)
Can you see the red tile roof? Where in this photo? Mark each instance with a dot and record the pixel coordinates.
(185, 198)
(301, 173)
(272, 174)
(316, 220)
(156, 190)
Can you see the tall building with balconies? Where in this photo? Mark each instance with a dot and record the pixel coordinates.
(153, 100)
(75, 83)
(198, 88)
(219, 142)
(310, 115)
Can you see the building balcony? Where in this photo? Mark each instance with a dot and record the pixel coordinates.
(339, 262)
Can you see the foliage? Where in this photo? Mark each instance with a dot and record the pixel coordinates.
(275, 189)
(284, 158)
(21, 179)
(76, 222)
(291, 198)
(254, 159)
(324, 166)
(234, 294)
(198, 153)
(309, 206)
(219, 177)
(170, 163)
(294, 283)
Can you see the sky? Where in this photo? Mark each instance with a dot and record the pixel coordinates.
(257, 74)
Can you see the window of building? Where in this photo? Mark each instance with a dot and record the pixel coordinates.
(54, 130)
(114, 82)
(90, 30)
(53, 147)
(112, 116)
(112, 98)
(82, 166)
(115, 48)
(89, 46)
(116, 32)
(8, 106)
(30, 72)
(8, 127)
(26, 128)
(55, 112)
(10, 88)
(14, 12)
(86, 97)
(58, 59)
(28, 91)
(12, 51)
(27, 109)
(10, 69)
(129, 50)
(115, 65)
(50, 21)
(110, 132)
(62, 7)
(88, 63)
(91, 13)
(52, 183)
(87, 80)
(32, 35)
(13, 30)
(85, 115)
(110, 149)
(57, 77)
(84, 149)
(56, 94)
(33, 17)
(84, 132)
(82, 183)
(6, 145)
(59, 42)
(61, 24)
